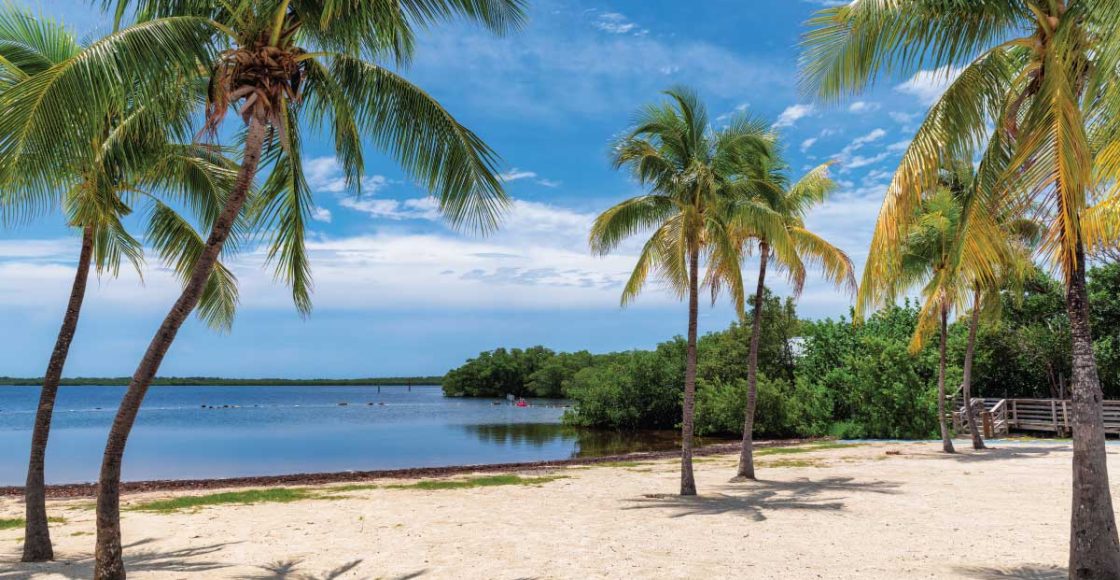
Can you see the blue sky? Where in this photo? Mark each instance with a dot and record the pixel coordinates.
(399, 293)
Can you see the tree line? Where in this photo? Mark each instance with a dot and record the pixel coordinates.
(816, 377)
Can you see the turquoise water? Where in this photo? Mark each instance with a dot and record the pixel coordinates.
(201, 432)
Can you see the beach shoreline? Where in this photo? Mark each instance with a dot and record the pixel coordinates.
(80, 490)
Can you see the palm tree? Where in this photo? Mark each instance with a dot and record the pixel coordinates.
(97, 188)
(950, 253)
(692, 172)
(1022, 234)
(1042, 72)
(278, 62)
(780, 235)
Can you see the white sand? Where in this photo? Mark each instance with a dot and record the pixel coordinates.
(836, 513)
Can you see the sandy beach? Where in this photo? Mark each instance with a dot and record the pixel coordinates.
(883, 510)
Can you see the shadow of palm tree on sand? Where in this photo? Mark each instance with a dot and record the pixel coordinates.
(754, 499)
(1027, 572)
(185, 560)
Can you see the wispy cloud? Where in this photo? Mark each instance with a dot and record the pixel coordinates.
(516, 174)
(792, 114)
(617, 23)
(559, 68)
(928, 85)
(860, 107)
(324, 175)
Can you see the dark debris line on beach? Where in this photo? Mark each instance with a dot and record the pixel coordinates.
(81, 490)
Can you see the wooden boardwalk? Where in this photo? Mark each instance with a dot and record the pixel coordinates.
(1002, 416)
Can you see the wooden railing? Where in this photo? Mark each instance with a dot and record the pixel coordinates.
(1001, 416)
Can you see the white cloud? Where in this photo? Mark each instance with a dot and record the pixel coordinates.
(898, 146)
(792, 114)
(321, 214)
(324, 175)
(849, 159)
(740, 108)
(806, 144)
(928, 85)
(871, 137)
(902, 118)
(422, 208)
(516, 174)
(858, 161)
(616, 23)
(863, 107)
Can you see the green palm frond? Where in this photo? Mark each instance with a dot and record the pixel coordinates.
(180, 246)
(282, 211)
(442, 155)
(56, 112)
(850, 47)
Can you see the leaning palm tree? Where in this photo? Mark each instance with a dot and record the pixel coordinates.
(692, 172)
(1016, 266)
(280, 64)
(786, 240)
(133, 159)
(949, 251)
(1042, 73)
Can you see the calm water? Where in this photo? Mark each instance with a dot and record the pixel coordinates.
(278, 430)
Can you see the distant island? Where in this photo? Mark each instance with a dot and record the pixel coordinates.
(218, 381)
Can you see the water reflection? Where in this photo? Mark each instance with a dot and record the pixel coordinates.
(583, 442)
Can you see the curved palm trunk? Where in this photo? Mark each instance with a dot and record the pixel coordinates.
(109, 564)
(946, 441)
(688, 482)
(1094, 551)
(37, 537)
(746, 454)
(966, 383)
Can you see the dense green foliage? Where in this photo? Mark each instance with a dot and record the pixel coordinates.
(825, 377)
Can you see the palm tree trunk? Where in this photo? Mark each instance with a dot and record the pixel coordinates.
(37, 537)
(688, 482)
(946, 441)
(1094, 551)
(966, 383)
(109, 564)
(746, 454)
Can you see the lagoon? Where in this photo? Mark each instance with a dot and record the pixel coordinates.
(223, 431)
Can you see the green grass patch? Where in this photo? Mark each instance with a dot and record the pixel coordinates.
(619, 464)
(14, 523)
(251, 496)
(484, 481)
(351, 487)
(803, 448)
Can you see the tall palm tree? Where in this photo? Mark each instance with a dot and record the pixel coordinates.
(786, 240)
(692, 173)
(278, 62)
(132, 159)
(1022, 234)
(1042, 72)
(949, 252)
